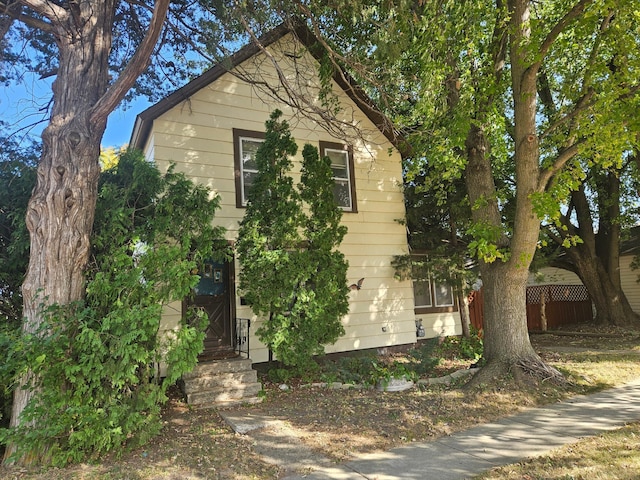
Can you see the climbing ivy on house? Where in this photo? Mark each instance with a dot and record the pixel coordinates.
(292, 273)
(96, 361)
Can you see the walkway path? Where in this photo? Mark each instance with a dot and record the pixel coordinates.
(458, 456)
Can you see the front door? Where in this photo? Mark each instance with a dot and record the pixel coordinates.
(213, 294)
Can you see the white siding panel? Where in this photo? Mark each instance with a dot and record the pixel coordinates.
(441, 324)
(629, 281)
(553, 276)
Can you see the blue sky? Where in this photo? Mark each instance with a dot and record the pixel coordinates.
(24, 106)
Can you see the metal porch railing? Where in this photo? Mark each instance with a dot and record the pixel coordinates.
(241, 342)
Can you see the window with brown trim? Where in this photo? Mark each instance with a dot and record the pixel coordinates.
(245, 146)
(341, 157)
(433, 297)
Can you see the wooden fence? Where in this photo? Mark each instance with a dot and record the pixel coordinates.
(557, 305)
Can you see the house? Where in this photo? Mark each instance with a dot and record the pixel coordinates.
(629, 274)
(211, 128)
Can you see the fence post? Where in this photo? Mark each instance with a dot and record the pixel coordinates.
(543, 311)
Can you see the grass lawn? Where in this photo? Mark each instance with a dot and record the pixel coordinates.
(340, 424)
(611, 456)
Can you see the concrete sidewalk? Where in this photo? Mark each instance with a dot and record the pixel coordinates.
(471, 452)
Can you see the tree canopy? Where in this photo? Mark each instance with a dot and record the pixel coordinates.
(470, 83)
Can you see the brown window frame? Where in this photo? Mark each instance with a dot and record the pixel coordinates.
(239, 134)
(434, 308)
(350, 170)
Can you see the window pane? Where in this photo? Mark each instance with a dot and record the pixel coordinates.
(339, 162)
(247, 182)
(342, 193)
(421, 293)
(444, 295)
(340, 171)
(248, 153)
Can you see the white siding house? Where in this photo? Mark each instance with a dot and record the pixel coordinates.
(208, 129)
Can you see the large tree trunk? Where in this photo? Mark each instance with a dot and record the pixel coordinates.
(612, 306)
(61, 209)
(597, 259)
(506, 337)
(506, 340)
(505, 314)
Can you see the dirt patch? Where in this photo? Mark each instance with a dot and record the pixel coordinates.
(193, 444)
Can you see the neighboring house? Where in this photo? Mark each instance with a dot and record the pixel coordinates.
(211, 128)
(629, 276)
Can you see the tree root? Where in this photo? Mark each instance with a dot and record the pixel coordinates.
(529, 371)
(539, 370)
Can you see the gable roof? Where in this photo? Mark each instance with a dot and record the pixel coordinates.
(144, 120)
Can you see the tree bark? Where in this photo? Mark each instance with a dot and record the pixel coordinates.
(611, 304)
(61, 210)
(465, 319)
(597, 259)
(607, 246)
(506, 337)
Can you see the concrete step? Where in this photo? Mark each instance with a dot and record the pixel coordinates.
(223, 380)
(247, 393)
(219, 366)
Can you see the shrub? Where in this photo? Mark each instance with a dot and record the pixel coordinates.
(424, 359)
(468, 348)
(93, 364)
(292, 273)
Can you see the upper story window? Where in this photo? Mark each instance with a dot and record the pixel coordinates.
(245, 146)
(430, 296)
(341, 157)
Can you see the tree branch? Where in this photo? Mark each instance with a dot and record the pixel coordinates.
(499, 43)
(584, 217)
(559, 27)
(553, 235)
(604, 25)
(551, 37)
(561, 160)
(55, 13)
(7, 17)
(564, 264)
(135, 67)
(585, 102)
(10, 12)
(544, 92)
